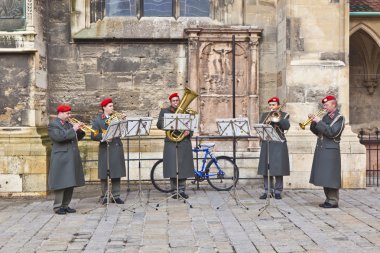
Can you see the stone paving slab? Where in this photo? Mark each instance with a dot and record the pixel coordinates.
(293, 224)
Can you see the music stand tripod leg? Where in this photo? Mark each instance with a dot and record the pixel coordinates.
(234, 193)
(138, 197)
(108, 194)
(178, 196)
(269, 193)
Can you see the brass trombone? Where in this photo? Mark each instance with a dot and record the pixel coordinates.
(309, 120)
(84, 126)
(274, 116)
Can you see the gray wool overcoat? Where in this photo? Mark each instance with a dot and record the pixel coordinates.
(326, 169)
(278, 151)
(185, 153)
(65, 163)
(115, 150)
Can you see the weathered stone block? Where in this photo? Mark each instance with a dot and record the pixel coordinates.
(15, 164)
(298, 180)
(115, 64)
(300, 162)
(62, 66)
(36, 164)
(10, 183)
(34, 182)
(353, 179)
(59, 33)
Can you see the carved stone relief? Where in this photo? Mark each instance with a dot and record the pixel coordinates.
(211, 74)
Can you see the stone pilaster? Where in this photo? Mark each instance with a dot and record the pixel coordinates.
(24, 156)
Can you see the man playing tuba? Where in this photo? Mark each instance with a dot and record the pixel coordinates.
(185, 154)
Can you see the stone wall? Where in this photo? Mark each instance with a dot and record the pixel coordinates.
(24, 151)
(302, 56)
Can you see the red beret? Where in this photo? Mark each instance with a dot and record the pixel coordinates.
(106, 102)
(274, 99)
(63, 108)
(175, 94)
(328, 98)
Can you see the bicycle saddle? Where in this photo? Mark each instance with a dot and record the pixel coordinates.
(207, 145)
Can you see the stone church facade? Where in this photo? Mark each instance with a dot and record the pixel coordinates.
(80, 52)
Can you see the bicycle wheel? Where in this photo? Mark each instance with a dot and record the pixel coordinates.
(223, 179)
(156, 176)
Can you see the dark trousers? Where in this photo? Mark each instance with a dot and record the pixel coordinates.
(115, 182)
(278, 185)
(181, 184)
(63, 197)
(332, 195)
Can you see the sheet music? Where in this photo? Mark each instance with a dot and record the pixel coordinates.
(137, 126)
(181, 122)
(234, 127)
(267, 133)
(113, 131)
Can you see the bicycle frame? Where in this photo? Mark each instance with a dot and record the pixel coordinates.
(207, 153)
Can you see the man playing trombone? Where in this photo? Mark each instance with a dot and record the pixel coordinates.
(116, 161)
(326, 169)
(66, 171)
(279, 155)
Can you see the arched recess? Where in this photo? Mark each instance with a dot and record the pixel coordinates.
(364, 78)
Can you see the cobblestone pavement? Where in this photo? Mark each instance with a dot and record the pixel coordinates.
(293, 224)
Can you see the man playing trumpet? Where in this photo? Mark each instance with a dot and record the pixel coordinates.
(326, 169)
(66, 171)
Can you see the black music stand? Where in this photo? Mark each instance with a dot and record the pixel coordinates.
(267, 134)
(234, 127)
(178, 122)
(113, 131)
(138, 126)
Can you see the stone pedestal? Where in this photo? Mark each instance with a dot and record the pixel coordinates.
(24, 156)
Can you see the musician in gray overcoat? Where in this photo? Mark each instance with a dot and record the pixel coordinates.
(185, 154)
(278, 151)
(326, 169)
(66, 171)
(115, 157)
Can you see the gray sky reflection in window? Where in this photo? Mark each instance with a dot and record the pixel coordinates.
(158, 8)
(195, 8)
(120, 8)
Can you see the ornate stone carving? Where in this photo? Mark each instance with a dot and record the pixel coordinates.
(29, 14)
(211, 74)
(371, 85)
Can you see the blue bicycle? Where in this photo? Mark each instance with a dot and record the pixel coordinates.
(220, 172)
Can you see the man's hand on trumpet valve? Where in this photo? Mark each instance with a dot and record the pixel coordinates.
(77, 126)
(314, 118)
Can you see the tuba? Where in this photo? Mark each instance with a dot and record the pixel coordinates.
(309, 120)
(182, 108)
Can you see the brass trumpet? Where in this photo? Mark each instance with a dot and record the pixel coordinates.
(73, 121)
(309, 120)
